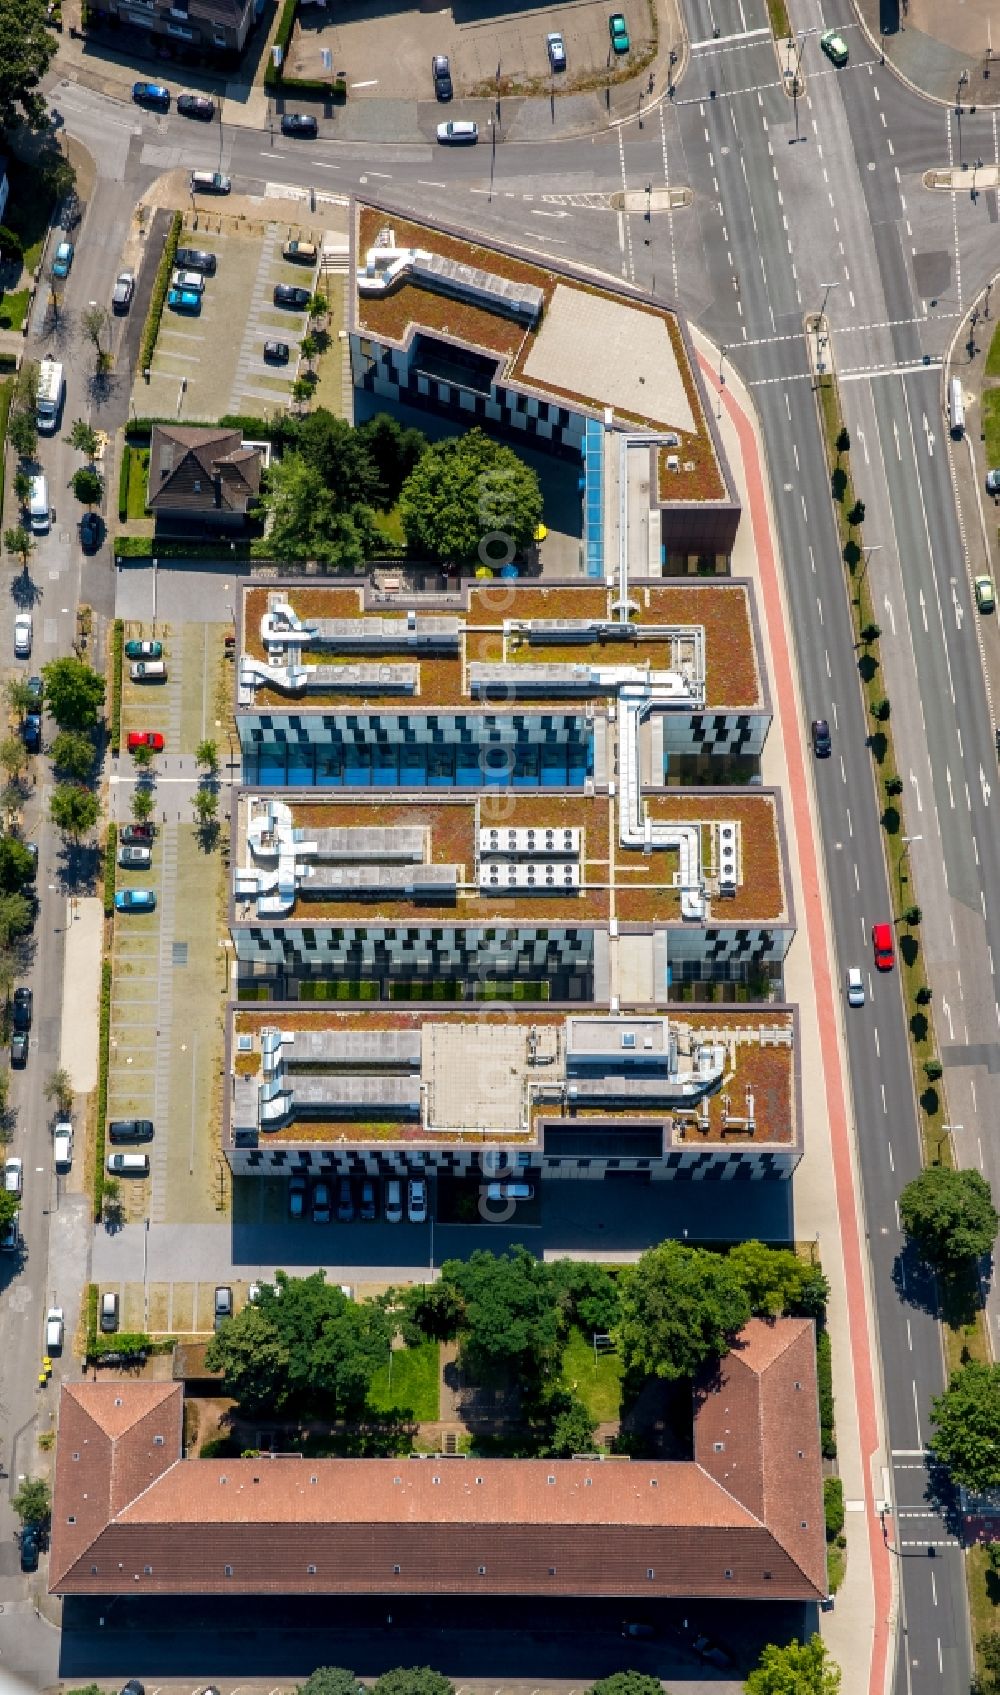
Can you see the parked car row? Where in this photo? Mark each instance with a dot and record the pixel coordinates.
(357, 1198)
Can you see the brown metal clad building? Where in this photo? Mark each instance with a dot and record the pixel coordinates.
(131, 1515)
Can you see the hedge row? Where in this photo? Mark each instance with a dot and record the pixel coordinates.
(104, 1063)
(144, 547)
(118, 1342)
(92, 1297)
(110, 854)
(824, 1374)
(260, 429)
(117, 661)
(283, 39)
(159, 295)
(321, 88)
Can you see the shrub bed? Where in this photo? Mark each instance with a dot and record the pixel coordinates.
(144, 547)
(158, 299)
(110, 852)
(117, 660)
(283, 39)
(102, 1088)
(824, 1375)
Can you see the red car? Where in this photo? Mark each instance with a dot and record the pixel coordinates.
(145, 738)
(885, 957)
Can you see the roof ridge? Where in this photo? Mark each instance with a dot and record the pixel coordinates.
(734, 1497)
(152, 1484)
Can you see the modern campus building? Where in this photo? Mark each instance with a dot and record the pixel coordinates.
(499, 846)
(742, 1519)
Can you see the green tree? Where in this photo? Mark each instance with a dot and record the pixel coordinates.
(570, 1427)
(13, 756)
(412, 1680)
(15, 918)
(59, 1089)
(628, 1683)
(856, 515)
(470, 498)
(141, 804)
(680, 1306)
(586, 1294)
(253, 1358)
(74, 809)
(22, 430)
(330, 446)
(74, 693)
(435, 1310)
(33, 1501)
(27, 46)
(8, 1205)
(777, 1280)
(88, 486)
(511, 1321)
(16, 865)
(83, 437)
(11, 243)
(967, 1426)
(393, 452)
(306, 522)
(844, 439)
(95, 323)
(73, 754)
(22, 482)
(206, 805)
(143, 756)
(19, 696)
(800, 1668)
(331, 1680)
(207, 754)
(19, 541)
(950, 1216)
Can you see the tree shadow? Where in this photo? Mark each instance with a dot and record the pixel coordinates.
(79, 865)
(24, 591)
(914, 1282)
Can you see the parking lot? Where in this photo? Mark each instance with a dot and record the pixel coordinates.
(475, 41)
(169, 965)
(211, 363)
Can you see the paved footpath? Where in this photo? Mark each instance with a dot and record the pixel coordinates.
(826, 1184)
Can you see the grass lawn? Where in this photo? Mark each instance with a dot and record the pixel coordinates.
(991, 423)
(138, 477)
(389, 524)
(14, 309)
(993, 356)
(597, 1382)
(415, 1383)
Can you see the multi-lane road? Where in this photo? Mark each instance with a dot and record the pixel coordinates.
(795, 206)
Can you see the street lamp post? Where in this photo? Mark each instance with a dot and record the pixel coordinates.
(649, 203)
(963, 79)
(907, 842)
(875, 547)
(826, 287)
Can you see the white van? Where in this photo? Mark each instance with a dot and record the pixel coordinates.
(956, 408)
(51, 389)
(128, 1165)
(148, 671)
(210, 182)
(38, 506)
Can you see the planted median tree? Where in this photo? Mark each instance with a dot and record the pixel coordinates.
(950, 1217)
(966, 1422)
(74, 693)
(18, 541)
(88, 486)
(73, 755)
(74, 810)
(83, 437)
(331, 1680)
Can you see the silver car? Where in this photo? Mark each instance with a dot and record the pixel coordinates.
(459, 130)
(136, 858)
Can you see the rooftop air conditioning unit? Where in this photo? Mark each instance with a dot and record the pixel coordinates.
(673, 463)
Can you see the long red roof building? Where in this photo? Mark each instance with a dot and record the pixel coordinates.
(743, 1518)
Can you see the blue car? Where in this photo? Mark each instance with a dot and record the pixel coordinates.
(135, 900)
(63, 259)
(183, 300)
(151, 94)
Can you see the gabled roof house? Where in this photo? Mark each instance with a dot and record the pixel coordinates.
(205, 474)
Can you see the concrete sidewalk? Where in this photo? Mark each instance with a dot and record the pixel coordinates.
(81, 998)
(827, 1183)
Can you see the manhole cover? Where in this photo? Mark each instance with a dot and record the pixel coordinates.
(180, 953)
